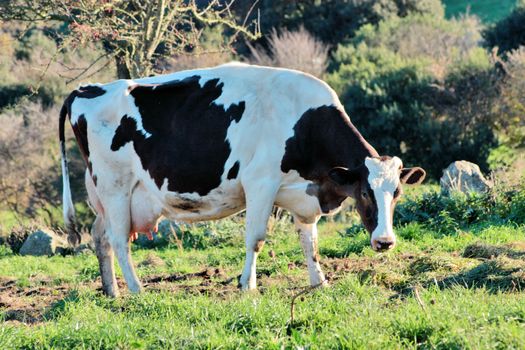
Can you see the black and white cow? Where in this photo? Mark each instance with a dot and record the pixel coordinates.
(205, 144)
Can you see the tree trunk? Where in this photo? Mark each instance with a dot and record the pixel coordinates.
(122, 67)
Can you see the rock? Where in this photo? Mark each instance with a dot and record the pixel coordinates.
(465, 177)
(44, 242)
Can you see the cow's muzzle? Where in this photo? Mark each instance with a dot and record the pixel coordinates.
(382, 244)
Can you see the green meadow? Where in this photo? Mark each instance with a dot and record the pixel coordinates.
(460, 287)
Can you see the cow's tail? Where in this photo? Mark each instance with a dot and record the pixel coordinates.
(67, 201)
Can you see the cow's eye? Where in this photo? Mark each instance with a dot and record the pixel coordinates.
(364, 194)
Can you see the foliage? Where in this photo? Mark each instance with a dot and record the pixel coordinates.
(25, 62)
(15, 239)
(443, 42)
(134, 33)
(509, 33)
(29, 174)
(334, 21)
(448, 214)
(392, 99)
(292, 49)
(511, 105)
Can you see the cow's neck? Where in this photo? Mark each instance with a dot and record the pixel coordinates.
(325, 138)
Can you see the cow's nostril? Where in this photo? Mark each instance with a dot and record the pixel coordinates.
(384, 245)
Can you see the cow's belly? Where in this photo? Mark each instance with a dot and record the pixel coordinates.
(223, 201)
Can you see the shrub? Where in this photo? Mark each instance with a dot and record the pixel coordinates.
(292, 49)
(511, 122)
(30, 171)
(444, 214)
(509, 33)
(334, 21)
(15, 239)
(416, 36)
(392, 100)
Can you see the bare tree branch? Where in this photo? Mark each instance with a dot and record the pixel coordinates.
(136, 33)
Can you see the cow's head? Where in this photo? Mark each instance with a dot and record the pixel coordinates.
(376, 187)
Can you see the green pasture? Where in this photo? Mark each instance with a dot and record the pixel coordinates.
(460, 288)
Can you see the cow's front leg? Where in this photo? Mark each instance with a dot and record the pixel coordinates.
(119, 217)
(308, 236)
(260, 196)
(105, 257)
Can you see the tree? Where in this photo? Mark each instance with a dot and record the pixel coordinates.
(509, 33)
(335, 21)
(134, 33)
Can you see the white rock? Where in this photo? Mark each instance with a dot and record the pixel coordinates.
(465, 177)
(44, 242)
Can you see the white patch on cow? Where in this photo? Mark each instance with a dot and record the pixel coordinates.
(383, 179)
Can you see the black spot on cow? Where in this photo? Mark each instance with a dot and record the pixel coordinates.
(80, 131)
(126, 132)
(188, 145)
(234, 170)
(325, 138)
(90, 91)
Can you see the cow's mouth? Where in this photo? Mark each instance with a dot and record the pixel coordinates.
(383, 244)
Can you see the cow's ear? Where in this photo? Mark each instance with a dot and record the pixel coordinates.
(412, 176)
(343, 176)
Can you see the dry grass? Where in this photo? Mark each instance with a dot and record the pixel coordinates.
(184, 62)
(292, 49)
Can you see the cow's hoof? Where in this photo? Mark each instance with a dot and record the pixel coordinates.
(247, 287)
(323, 284)
(112, 294)
(135, 289)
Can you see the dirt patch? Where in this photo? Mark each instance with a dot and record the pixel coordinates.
(506, 272)
(152, 260)
(28, 305)
(211, 281)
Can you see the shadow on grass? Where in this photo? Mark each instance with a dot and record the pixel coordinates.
(355, 240)
(58, 308)
(501, 269)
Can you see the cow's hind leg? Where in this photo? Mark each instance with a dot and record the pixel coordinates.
(260, 196)
(308, 236)
(105, 257)
(117, 213)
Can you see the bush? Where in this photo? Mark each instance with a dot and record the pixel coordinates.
(392, 100)
(509, 33)
(15, 239)
(334, 21)
(416, 36)
(292, 49)
(30, 171)
(511, 122)
(444, 214)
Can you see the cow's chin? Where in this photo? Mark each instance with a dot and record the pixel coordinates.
(383, 243)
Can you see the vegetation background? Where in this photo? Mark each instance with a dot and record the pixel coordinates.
(443, 80)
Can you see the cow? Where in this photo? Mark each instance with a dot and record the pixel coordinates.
(209, 143)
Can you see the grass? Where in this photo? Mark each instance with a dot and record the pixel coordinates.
(454, 290)
(488, 11)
